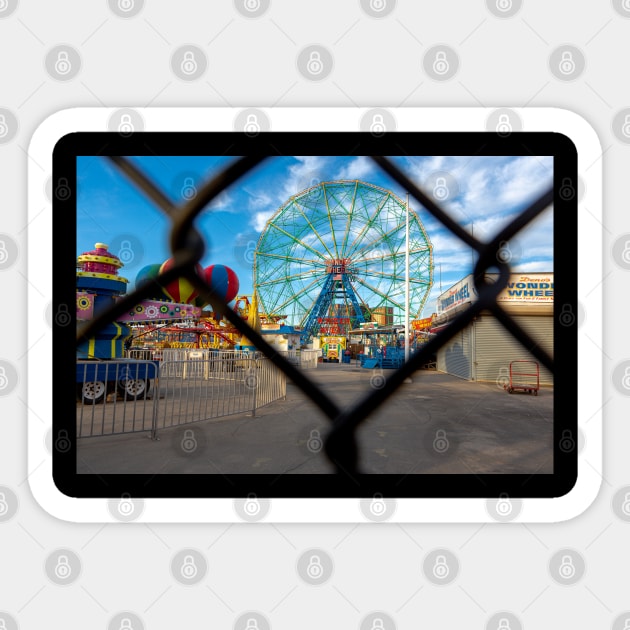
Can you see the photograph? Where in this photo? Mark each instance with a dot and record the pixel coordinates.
(347, 278)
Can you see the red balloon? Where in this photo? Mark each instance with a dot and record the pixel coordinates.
(222, 280)
(180, 290)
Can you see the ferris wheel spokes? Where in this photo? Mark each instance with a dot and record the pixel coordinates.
(377, 292)
(368, 224)
(334, 255)
(301, 242)
(294, 296)
(312, 228)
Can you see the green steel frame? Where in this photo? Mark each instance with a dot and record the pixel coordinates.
(350, 220)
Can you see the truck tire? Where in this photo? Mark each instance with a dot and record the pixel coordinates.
(92, 392)
(133, 388)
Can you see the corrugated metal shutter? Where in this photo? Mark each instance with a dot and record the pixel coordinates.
(495, 347)
(455, 357)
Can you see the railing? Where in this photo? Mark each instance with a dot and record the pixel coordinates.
(173, 392)
(304, 359)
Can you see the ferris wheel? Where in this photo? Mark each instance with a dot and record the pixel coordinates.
(333, 256)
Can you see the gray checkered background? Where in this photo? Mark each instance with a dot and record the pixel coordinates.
(266, 53)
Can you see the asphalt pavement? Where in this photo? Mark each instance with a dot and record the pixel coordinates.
(436, 424)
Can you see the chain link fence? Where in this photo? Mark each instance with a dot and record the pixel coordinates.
(187, 246)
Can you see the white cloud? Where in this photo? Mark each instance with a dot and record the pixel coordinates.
(223, 203)
(356, 169)
(537, 265)
(304, 173)
(260, 218)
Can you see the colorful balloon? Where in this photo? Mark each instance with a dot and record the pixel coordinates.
(146, 274)
(222, 280)
(180, 290)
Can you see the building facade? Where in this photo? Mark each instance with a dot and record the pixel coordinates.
(484, 350)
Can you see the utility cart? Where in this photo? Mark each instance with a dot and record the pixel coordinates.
(524, 376)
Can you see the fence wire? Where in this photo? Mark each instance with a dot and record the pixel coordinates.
(188, 247)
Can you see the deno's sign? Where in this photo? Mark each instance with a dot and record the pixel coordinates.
(531, 287)
(521, 287)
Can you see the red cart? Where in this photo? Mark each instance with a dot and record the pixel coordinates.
(524, 376)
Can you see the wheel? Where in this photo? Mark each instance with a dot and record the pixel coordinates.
(331, 258)
(92, 392)
(510, 390)
(535, 392)
(133, 388)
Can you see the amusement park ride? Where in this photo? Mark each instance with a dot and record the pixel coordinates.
(178, 311)
(333, 257)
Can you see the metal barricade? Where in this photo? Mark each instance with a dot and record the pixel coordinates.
(116, 396)
(129, 396)
(304, 359)
(220, 385)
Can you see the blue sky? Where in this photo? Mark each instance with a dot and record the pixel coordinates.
(484, 193)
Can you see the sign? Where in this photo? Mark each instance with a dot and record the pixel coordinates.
(531, 287)
(460, 293)
(521, 288)
(422, 324)
(270, 326)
